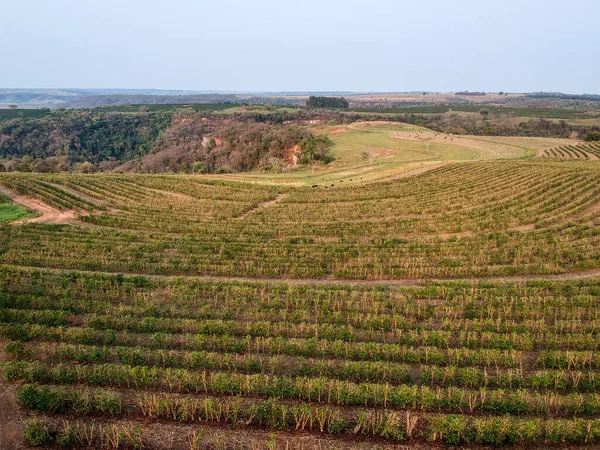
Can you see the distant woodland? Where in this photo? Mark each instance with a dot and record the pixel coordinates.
(199, 140)
(181, 141)
(326, 102)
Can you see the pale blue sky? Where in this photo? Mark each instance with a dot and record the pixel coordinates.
(277, 45)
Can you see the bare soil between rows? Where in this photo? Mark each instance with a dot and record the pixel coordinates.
(576, 275)
(279, 198)
(11, 423)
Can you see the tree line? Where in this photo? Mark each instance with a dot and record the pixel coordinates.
(326, 102)
(82, 135)
(168, 141)
(180, 140)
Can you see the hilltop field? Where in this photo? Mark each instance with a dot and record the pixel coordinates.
(423, 289)
(379, 150)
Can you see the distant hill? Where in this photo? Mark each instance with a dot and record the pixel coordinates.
(35, 98)
(94, 101)
(92, 98)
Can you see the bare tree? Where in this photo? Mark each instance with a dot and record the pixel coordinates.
(366, 155)
(428, 142)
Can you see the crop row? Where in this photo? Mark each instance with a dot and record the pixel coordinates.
(451, 429)
(361, 371)
(539, 251)
(388, 315)
(51, 194)
(312, 347)
(578, 151)
(322, 390)
(481, 314)
(515, 195)
(76, 293)
(420, 337)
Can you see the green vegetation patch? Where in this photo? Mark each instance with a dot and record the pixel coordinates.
(24, 113)
(10, 212)
(199, 107)
(548, 113)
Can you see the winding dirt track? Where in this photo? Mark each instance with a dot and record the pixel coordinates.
(276, 200)
(579, 275)
(412, 172)
(47, 214)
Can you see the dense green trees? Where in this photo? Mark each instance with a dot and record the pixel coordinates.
(326, 102)
(82, 135)
(593, 136)
(194, 143)
(315, 148)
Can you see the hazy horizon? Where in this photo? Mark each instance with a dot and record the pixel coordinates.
(331, 46)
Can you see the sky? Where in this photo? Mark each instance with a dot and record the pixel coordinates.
(302, 45)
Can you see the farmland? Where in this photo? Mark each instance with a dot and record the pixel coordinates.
(375, 150)
(423, 289)
(457, 220)
(353, 362)
(589, 151)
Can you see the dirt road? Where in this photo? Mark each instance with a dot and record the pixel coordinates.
(276, 200)
(47, 214)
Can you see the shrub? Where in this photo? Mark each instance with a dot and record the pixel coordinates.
(451, 429)
(592, 136)
(494, 431)
(38, 434)
(42, 398)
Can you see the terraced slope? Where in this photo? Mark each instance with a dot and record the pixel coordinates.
(460, 220)
(455, 306)
(589, 151)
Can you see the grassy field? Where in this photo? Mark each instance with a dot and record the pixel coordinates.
(511, 111)
(368, 151)
(10, 212)
(423, 290)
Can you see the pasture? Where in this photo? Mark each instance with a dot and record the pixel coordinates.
(370, 151)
